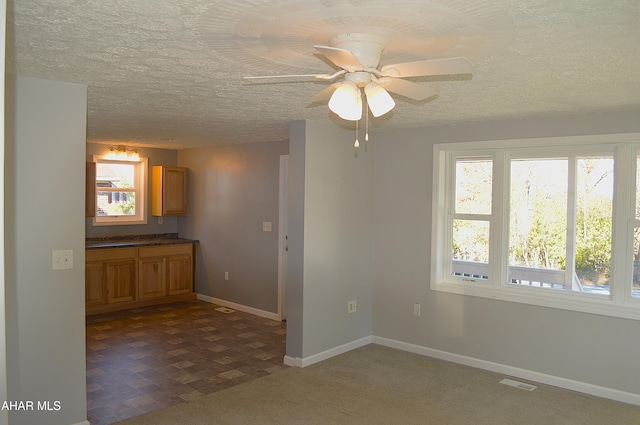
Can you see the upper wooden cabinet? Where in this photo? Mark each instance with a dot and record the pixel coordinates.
(90, 190)
(169, 191)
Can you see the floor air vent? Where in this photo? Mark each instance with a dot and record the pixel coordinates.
(224, 310)
(518, 384)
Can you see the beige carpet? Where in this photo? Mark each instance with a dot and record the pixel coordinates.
(380, 385)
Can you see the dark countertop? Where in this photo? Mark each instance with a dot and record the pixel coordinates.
(136, 241)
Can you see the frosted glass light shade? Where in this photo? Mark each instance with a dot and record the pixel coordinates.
(346, 101)
(379, 100)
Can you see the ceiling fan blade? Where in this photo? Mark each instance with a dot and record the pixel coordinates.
(428, 67)
(407, 88)
(325, 94)
(318, 76)
(341, 58)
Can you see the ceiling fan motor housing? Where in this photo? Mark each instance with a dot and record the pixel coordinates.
(365, 47)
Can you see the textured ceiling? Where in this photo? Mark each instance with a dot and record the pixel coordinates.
(168, 73)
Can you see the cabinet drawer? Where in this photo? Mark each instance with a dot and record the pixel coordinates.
(165, 250)
(110, 254)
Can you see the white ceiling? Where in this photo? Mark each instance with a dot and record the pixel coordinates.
(168, 73)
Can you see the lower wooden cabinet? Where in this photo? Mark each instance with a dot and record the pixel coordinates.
(121, 281)
(152, 276)
(95, 292)
(179, 274)
(121, 278)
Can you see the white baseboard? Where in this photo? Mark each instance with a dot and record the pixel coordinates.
(239, 307)
(555, 381)
(292, 361)
(303, 362)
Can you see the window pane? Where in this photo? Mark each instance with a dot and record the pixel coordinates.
(473, 186)
(538, 223)
(470, 249)
(116, 203)
(114, 175)
(594, 217)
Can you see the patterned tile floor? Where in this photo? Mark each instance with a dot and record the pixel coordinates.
(149, 358)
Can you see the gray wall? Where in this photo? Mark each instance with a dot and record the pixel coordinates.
(331, 238)
(594, 349)
(169, 224)
(44, 177)
(232, 190)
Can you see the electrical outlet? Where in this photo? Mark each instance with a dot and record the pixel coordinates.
(416, 309)
(226, 275)
(351, 306)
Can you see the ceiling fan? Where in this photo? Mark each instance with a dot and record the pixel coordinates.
(358, 57)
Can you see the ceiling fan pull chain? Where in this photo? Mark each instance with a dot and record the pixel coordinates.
(357, 143)
(366, 123)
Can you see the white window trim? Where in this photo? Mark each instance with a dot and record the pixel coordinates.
(141, 216)
(619, 304)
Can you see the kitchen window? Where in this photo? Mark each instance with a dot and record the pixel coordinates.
(120, 191)
(552, 222)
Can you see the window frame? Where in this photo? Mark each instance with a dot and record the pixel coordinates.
(625, 149)
(139, 189)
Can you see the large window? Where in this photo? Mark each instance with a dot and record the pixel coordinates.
(120, 191)
(553, 222)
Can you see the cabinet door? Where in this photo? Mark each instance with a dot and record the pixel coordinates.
(175, 191)
(180, 270)
(152, 278)
(169, 191)
(94, 284)
(90, 190)
(121, 279)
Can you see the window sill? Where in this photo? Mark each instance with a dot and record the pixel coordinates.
(551, 298)
(119, 222)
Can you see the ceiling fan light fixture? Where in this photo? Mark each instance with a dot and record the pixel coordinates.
(379, 100)
(346, 101)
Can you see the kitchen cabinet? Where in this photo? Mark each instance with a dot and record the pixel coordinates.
(167, 269)
(121, 281)
(95, 284)
(152, 277)
(179, 274)
(128, 277)
(90, 190)
(169, 191)
(110, 276)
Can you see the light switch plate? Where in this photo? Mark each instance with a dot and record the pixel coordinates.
(62, 259)
(267, 226)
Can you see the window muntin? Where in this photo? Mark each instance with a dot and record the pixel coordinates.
(586, 276)
(120, 191)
